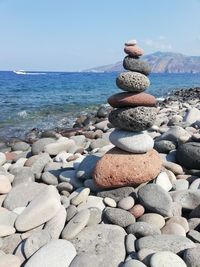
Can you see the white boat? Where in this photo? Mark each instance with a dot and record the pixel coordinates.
(19, 71)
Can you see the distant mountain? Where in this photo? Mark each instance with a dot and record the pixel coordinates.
(161, 62)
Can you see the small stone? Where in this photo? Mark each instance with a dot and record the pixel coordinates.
(22, 194)
(164, 181)
(5, 185)
(140, 229)
(167, 259)
(133, 119)
(92, 201)
(95, 216)
(189, 199)
(76, 224)
(49, 178)
(41, 209)
(133, 263)
(131, 42)
(145, 255)
(133, 50)
(137, 211)
(110, 202)
(130, 243)
(194, 236)
(164, 146)
(2, 158)
(9, 260)
(55, 253)
(192, 116)
(154, 219)
(119, 217)
(54, 148)
(132, 82)
(173, 243)
(176, 134)
(40, 144)
(131, 142)
(70, 177)
(155, 199)
(192, 257)
(6, 230)
(180, 185)
(38, 162)
(173, 167)
(179, 220)
(119, 168)
(173, 229)
(20, 146)
(117, 194)
(188, 155)
(55, 225)
(126, 203)
(34, 242)
(81, 197)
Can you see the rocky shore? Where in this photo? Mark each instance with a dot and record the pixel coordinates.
(54, 212)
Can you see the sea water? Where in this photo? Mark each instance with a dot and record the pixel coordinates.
(53, 99)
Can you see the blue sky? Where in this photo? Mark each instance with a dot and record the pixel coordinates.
(70, 35)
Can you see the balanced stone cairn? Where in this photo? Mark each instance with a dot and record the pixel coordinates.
(133, 160)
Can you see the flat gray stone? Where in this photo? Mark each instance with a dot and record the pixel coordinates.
(39, 145)
(173, 243)
(55, 253)
(117, 194)
(153, 218)
(34, 242)
(22, 194)
(189, 199)
(57, 223)
(40, 210)
(49, 178)
(140, 229)
(76, 224)
(10, 243)
(24, 175)
(119, 217)
(154, 198)
(100, 246)
(20, 146)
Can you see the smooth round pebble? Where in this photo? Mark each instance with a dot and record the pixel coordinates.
(166, 259)
(154, 219)
(110, 202)
(179, 220)
(126, 203)
(173, 229)
(133, 263)
(137, 210)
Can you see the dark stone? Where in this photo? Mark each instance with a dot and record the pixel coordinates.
(137, 65)
(133, 119)
(188, 155)
(118, 193)
(164, 146)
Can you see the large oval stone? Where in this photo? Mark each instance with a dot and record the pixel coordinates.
(188, 155)
(133, 119)
(100, 245)
(122, 100)
(132, 81)
(131, 142)
(134, 64)
(55, 253)
(154, 198)
(119, 168)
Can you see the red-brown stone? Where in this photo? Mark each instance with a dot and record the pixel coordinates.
(119, 168)
(133, 51)
(122, 100)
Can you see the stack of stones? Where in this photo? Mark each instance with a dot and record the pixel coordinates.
(133, 160)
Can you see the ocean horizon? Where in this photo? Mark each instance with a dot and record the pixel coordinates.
(46, 100)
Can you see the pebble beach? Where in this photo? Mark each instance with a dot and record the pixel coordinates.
(121, 188)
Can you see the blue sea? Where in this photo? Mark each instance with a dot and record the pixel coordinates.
(53, 99)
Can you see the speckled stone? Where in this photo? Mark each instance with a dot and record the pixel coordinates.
(166, 259)
(133, 119)
(119, 217)
(134, 64)
(119, 168)
(132, 82)
(122, 100)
